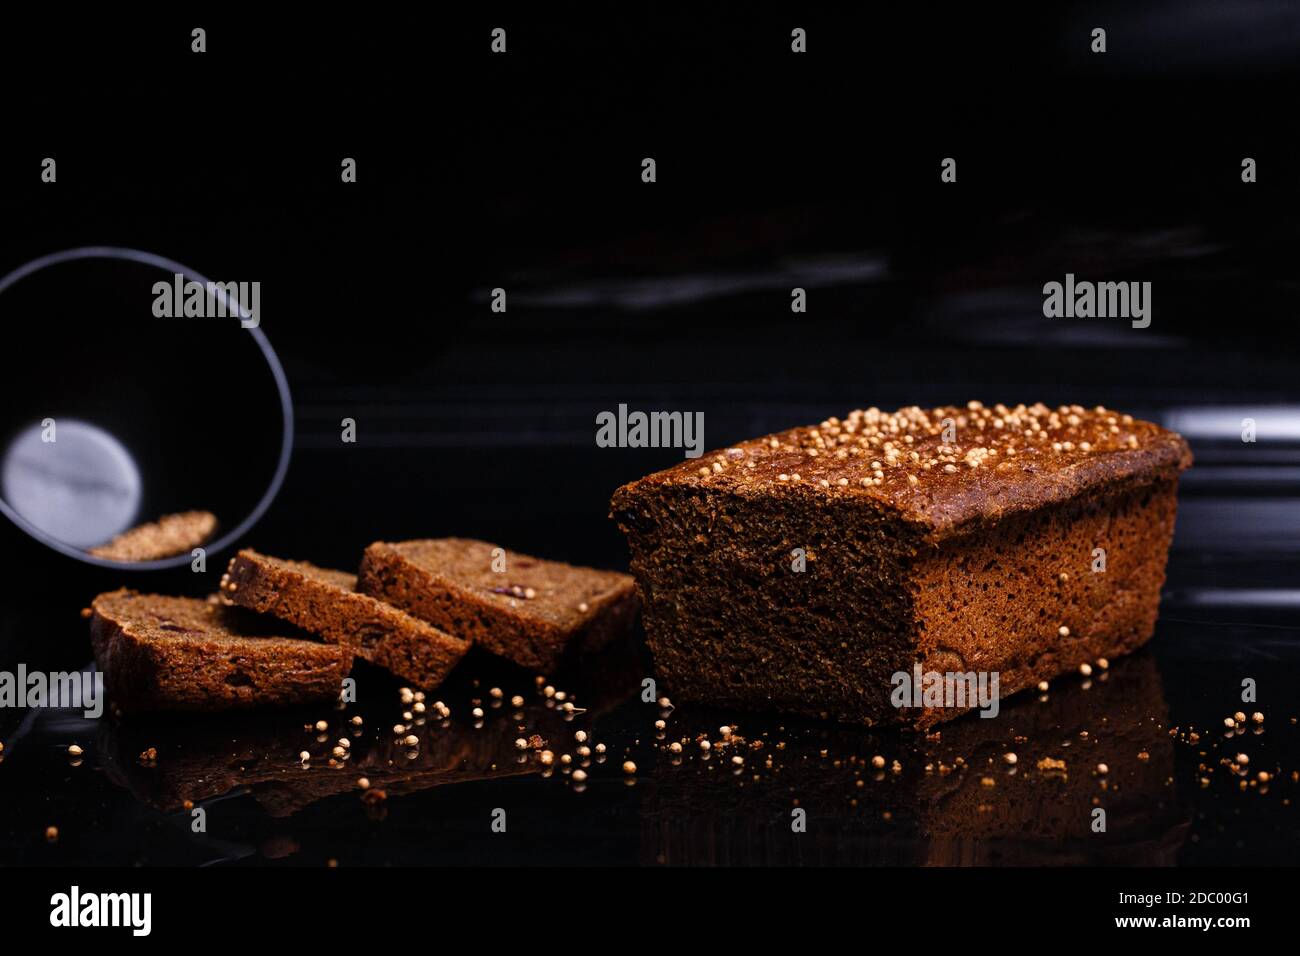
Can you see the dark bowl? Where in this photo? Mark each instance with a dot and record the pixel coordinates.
(151, 415)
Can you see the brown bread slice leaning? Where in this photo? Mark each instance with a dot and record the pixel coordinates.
(327, 603)
(174, 653)
(803, 571)
(528, 612)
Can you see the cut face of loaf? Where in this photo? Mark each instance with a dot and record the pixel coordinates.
(802, 571)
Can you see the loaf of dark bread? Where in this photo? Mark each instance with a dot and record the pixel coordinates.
(804, 570)
(173, 653)
(524, 609)
(326, 603)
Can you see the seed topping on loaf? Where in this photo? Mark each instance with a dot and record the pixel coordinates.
(946, 464)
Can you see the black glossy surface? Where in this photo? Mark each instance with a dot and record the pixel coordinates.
(263, 805)
(476, 173)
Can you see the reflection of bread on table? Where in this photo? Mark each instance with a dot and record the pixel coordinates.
(1044, 803)
(261, 754)
(445, 756)
(861, 814)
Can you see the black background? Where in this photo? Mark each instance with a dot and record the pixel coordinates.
(523, 171)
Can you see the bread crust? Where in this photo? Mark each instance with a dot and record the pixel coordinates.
(802, 571)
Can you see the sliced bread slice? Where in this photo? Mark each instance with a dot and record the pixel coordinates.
(525, 609)
(175, 653)
(326, 603)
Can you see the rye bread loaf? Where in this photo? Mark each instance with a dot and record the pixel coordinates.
(327, 603)
(174, 653)
(525, 609)
(803, 570)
